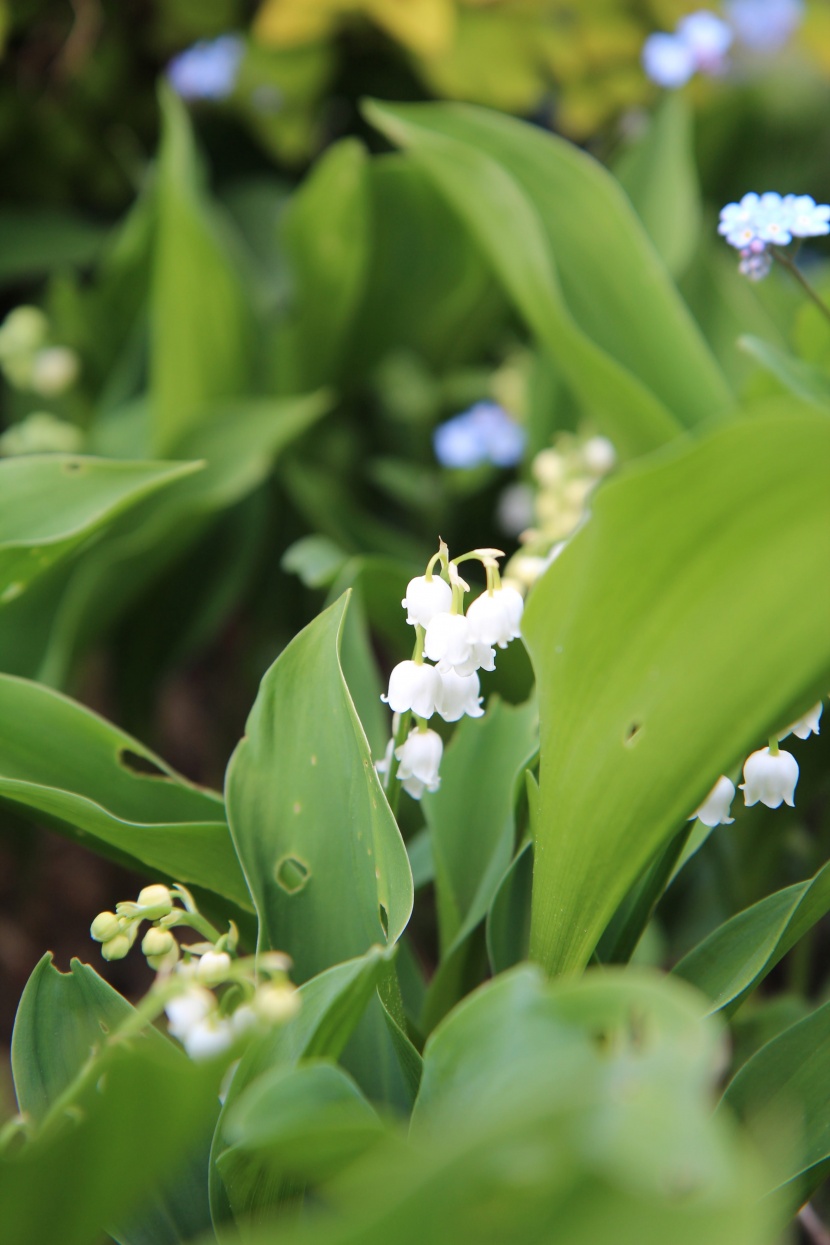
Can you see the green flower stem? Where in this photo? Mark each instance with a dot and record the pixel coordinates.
(773, 745)
(393, 788)
(786, 262)
(418, 650)
(195, 920)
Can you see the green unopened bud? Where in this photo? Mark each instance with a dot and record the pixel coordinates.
(105, 926)
(276, 1003)
(116, 948)
(24, 330)
(158, 942)
(155, 901)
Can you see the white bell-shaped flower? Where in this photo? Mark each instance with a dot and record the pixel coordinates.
(459, 695)
(213, 968)
(808, 725)
(209, 1037)
(419, 758)
(188, 1009)
(770, 778)
(449, 643)
(714, 811)
(425, 598)
(494, 617)
(413, 685)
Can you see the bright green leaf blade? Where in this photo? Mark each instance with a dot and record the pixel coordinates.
(686, 622)
(470, 817)
(804, 380)
(538, 206)
(64, 1017)
(315, 835)
(62, 763)
(49, 504)
(737, 956)
(508, 921)
(200, 330)
(784, 1090)
(659, 175)
(36, 241)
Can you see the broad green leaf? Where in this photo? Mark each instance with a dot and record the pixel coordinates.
(316, 560)
(659, 176)
(62, 1020)
(326, 232)
(681, 626)
(470, 817)
(784, 1090)
(737, 956)
(50, 504)
(508, 921)
(291, 1129)
(61, 763)
(805, 380)
(200, 330)
(332, 1005)
(36, 241)
(573, 257)
(315, 835)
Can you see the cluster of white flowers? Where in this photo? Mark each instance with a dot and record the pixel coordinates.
(770, 776)
(565, 476)
(758, 222)
(255, 990)
(459, 644)
(27, 358)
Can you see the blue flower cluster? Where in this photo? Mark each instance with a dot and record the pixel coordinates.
(208, 69)
(483, 434)
(759, 221)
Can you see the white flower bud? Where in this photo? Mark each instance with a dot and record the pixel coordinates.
(208, 1038)
(459, 695)
(53, 371)
(188, 1009)
(213, 968)
(276, 1004)
(413, 685)
(419, 758)
(23, 331)
(549, 468)
(770, 778)
(105, 927)
(494, 617)
(158, 942)
(599, 456)
(116, 948)
(714, 811)
(425, 598)
(808, 725)
(155, 901)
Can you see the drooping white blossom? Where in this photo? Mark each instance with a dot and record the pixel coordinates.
(213, 968)
(770, 778)
(459, 695)
(425, 598)
(451, 643)
(413, 685)
(419, 759)
(714, 811)
(494, 617)
(808, 724)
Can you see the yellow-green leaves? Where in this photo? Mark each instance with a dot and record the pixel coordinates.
(686, 622)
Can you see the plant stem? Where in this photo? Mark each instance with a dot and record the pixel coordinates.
(813, 1226)
(795, 271)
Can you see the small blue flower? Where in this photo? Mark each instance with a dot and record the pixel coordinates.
(668, 61)
(699, 44)
(764, 24)
(483, 434)
(208, 69)
(806, 218)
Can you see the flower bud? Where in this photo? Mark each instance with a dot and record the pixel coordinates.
(213, 968)
(158, 942)
(105, 926)
(277, 1003)
(155, 901)
(54, 370)
(116, 948)
(599, 456)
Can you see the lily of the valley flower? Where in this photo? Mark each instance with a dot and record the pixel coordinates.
(425, 598)
(459, 695)
(494, 617)
(451, 643)
(714, 811)
(419, 759)
(806, 725)
(770, 777)
(413, 685)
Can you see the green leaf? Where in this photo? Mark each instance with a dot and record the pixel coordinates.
(659, 175)
(737, 956)
(783, 1091)
(573, 257)
(639, 635)
(326, 232)
(97, 1144)
(61, 763)
(804, 380)
(508, 921)
(200, 330)
(315, 835)
(37, 241)
(50, 504)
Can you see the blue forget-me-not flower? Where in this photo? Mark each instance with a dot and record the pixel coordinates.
(208, 69)
(483, 434)
(758, 221)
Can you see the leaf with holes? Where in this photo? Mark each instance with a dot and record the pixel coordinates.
(681, 626)
(50, 504)
(63, 765)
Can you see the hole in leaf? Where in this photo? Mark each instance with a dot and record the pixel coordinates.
(73, 465)
(291, 874)
(384, 920)
(104, 1026)
(138, 764)
(633, 732)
